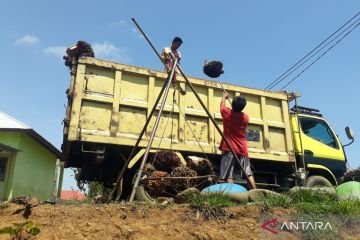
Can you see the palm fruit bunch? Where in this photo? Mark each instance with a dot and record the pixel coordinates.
(157, 186)
(205, 168)
(166, 161)
(182, 184)
(201, 165)
(80, 49)
(213, 69)
(353, 175)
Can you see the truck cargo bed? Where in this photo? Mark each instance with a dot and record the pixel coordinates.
(110, 103)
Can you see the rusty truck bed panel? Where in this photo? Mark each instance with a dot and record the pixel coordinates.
(111, 102)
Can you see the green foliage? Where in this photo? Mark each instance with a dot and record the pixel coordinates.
(81, 184)
(216, 200)
(95, 188)
(348, 207)
(312, 196)
(210, 206)
(90, 188)
(21, 231)
(313, 206)
(274, 201)
(312, 202)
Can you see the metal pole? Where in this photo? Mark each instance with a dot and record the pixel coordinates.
(148, 40)
(300, 138)
(151, 139)
(224, 89)
(182, 91)
(213, 121)
(222, 86)
(201, 102)
(121, 174)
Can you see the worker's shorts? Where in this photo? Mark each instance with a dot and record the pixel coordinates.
(227, 165)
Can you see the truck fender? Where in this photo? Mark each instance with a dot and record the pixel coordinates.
(323, 168)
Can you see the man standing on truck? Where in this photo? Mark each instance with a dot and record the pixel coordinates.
(235, 122)
(166, 58)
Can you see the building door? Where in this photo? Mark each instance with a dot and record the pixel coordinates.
(3, 176)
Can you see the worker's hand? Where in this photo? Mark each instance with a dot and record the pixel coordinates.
(226, 95)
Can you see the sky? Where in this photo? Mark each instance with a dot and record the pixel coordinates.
(256, 40)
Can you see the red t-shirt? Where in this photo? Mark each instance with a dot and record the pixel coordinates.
(235, 124)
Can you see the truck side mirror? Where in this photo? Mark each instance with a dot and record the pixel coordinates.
(349, 133)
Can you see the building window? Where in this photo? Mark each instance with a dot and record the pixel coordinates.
(2, 168)
(318, 130)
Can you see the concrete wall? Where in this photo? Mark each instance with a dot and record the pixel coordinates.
(31, 170)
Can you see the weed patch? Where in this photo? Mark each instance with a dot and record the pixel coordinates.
(209, 206)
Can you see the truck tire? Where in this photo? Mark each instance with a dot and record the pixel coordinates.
(318, 181)
(141, 194)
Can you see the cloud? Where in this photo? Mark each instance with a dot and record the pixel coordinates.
(27, 40)
(57, 51)
(135, 31)
(104, 50)
(123, 26)
(120, 23)
(119, 26)
(107, 50)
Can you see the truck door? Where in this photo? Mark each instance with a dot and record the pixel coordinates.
(321, 146)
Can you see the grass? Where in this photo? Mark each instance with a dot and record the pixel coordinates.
(312, 202)
(315, 206)
(209, 206)
(216, 200)
(274, 201)
(304, 201)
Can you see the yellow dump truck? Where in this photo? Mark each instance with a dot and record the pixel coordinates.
(108, 104)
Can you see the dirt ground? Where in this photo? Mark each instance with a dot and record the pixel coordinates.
(117, 221)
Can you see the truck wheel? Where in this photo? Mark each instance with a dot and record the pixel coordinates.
(141, 194)
(318, 181)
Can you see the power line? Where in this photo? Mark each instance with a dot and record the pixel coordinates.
(320, 57)
(277, 79)
(314, 54)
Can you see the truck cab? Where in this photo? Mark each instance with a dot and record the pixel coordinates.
(318, 150)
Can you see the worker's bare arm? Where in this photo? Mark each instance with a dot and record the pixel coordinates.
(225, 96)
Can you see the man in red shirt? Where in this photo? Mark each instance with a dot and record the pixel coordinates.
(235, 122)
